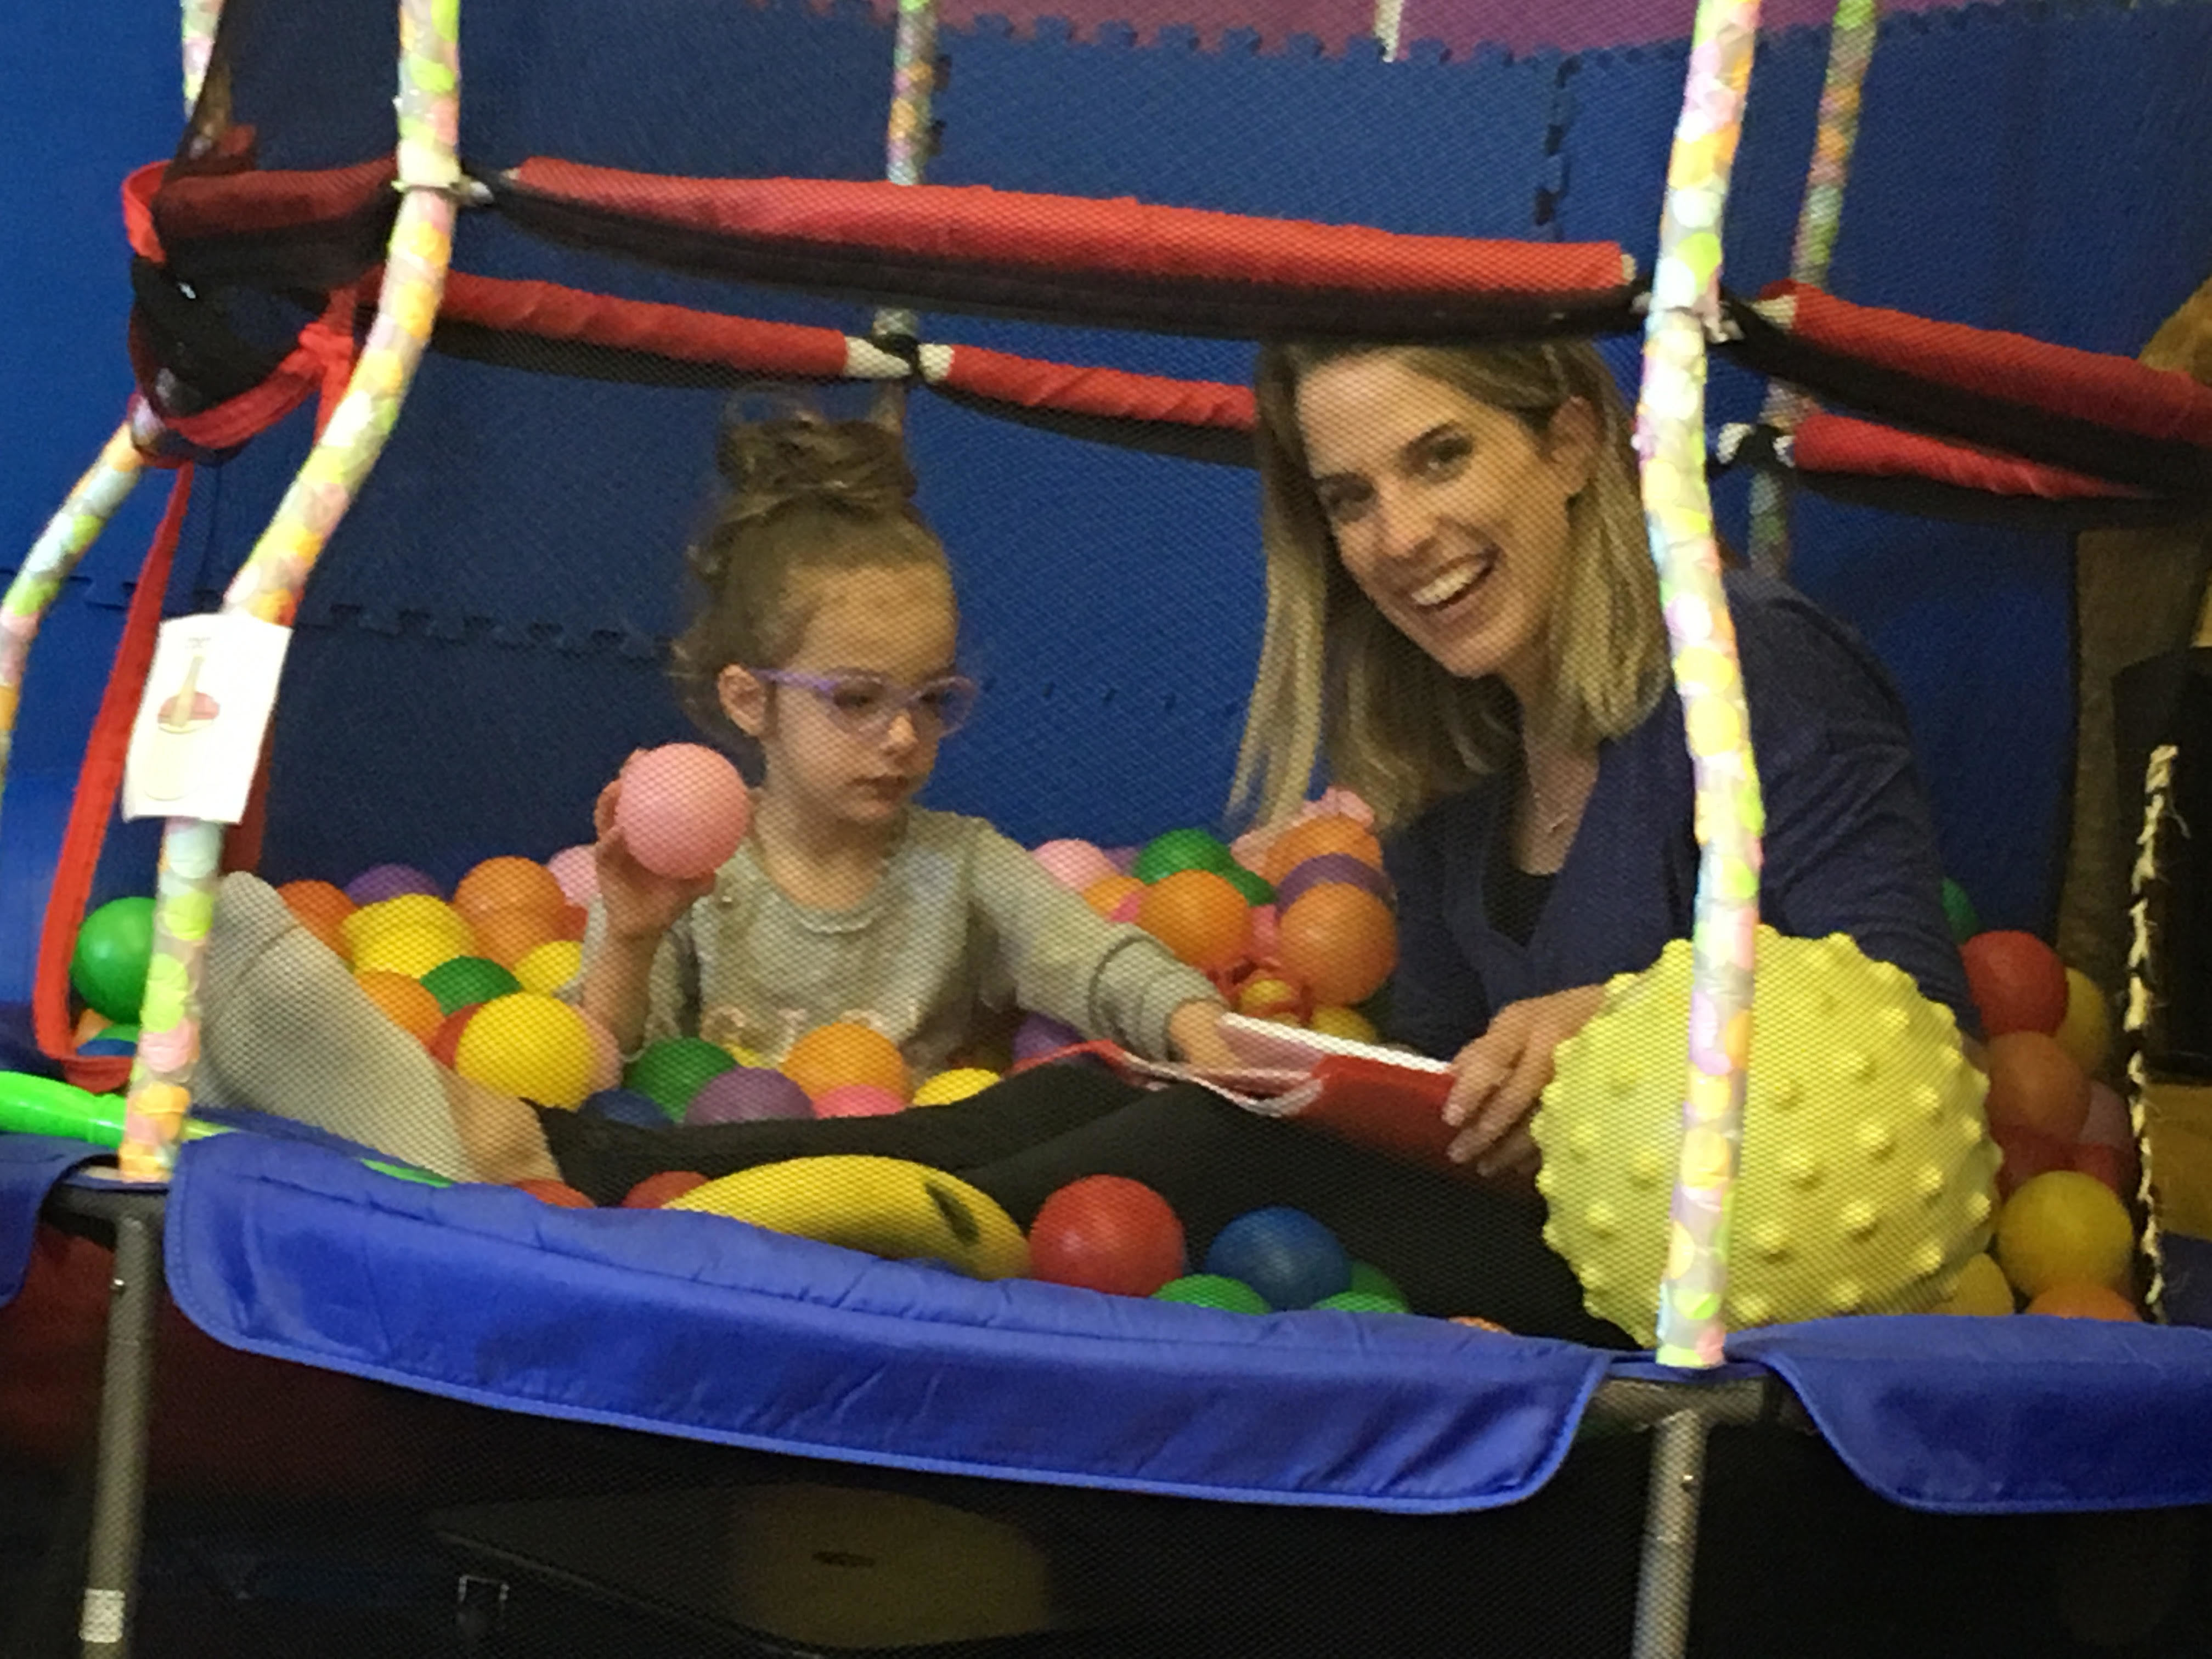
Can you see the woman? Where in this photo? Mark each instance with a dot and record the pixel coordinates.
(1463, 621)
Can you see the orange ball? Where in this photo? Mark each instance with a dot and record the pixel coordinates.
(2079, 1299)
(843, 1053)
(2036, 1085)
(508, 935)
(508, 884)
(320, 908)
(1198, 915)
(1310, 837)
(1342, 941)
(405, 1001)
(572, 919)
(1105, 895)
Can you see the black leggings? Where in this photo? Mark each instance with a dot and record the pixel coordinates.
(1453, 1247)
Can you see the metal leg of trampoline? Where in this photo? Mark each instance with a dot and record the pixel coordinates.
(118, 1502)
(1670, 1535)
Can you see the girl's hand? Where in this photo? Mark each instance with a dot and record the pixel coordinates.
(1499, 1077)
(1195, 1033)
(640, 906)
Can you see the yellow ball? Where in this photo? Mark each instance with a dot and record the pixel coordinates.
(1982, 1288)
(2064, 1225)
(1347, 1022)
(550, 966)
(743, 1056)
(956, 1084)
(1868, 1176)
(2085, 1032)
(528, 1045)
(411, 910)
(410, 951)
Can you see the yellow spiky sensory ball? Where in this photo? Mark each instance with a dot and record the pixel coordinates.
(1867, 1176)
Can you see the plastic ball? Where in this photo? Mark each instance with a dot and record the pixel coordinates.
(625, 1106)
(2036, 1085)
(1265, 996)
(960, 1083)
(508, 884)
(1256, 887)
(2027, 1155)
(320, 908)
(386, 881)
(1371, 1278)
(747, 1094)
(464, 980)
(674, 1069)
(113, 946)
(1074, 864)
(559, 1193)
(89, 1025)
(2017, 981)
(1867, 1167)
(1311, 872)
(1347, 1022)
(845, 1051)
(858, 1100)
(1212, 1290)
(1362, 1302)
(529, 1045)
(1982, 1292)
(682, 810)
(1342, 941)
(1106, 894)
(506, 936)
(1958, 911)
(1106, 1233)
(1310, 837)
(572, 923)
(2061, 1226)
(446, 1042)
(577, 870)
(108, 1047)
(1180, 849)
(550, 966)
(1128, 909)
(1285, 1254)
(1266, 939)
(1198, 915)
(2075, 1299)
(2086, 1029)
(1038, 1035)
(409, 912)
(656, 1190)
(404, 1002)
(1475, 1323)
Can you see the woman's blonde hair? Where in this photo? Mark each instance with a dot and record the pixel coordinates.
(1337, 680)
(804, 497)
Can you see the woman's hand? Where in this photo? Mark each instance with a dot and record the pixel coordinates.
(1499, 1077)
(1195, 1033)
(640, 906)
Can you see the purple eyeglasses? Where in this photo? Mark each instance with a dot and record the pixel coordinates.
(865, 705)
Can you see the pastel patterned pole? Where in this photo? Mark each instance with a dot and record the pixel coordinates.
(270, 583)
(1670, 437)
(1851, 49)
(200, 18)
(906, 158)
(76, 525)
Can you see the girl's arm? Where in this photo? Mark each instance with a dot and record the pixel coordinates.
(627, 971)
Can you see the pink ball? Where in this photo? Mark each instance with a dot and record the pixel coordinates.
(683, 811)
(2107, 1124)
(1265, 939)
(1128, 908)
(577, 870)
(1074, 864)
(857, 1100)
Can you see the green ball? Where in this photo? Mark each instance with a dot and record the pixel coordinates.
(1213, 1290)
(1183, 849)
(112, 949)
(1251, 883)
(466, 979)
(672, 1070)
(1964, 924)
(405, 1172)
(1362, 1302)
(1373, 1281)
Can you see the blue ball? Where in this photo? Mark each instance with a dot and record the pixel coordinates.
(627, 1106)
(1284, 1253)
(99, 1046)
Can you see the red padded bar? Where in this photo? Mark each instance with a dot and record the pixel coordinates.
(1836, 444)
(243, 203)
(1113, 393)
(551, 312)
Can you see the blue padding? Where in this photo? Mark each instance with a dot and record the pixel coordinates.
(30, 1166)
(697, 1326)
(2006, 1416)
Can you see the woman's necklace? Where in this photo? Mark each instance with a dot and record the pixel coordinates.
(1549, 817)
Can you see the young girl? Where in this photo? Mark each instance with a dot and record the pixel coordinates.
(825, 646)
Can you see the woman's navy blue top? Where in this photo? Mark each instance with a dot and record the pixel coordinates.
(1849, 847)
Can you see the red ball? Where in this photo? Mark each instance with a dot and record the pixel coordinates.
(665, 1187)
(2115, 1166)
(2027, 1155)
(446, 1042)
(2017, 981)
(1106, 1233)
(558, 1193)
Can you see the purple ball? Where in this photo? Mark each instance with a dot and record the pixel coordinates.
(1327, 867)
(386, 881)
(1039, 1035)
(745, 1094)
(1123, 858)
